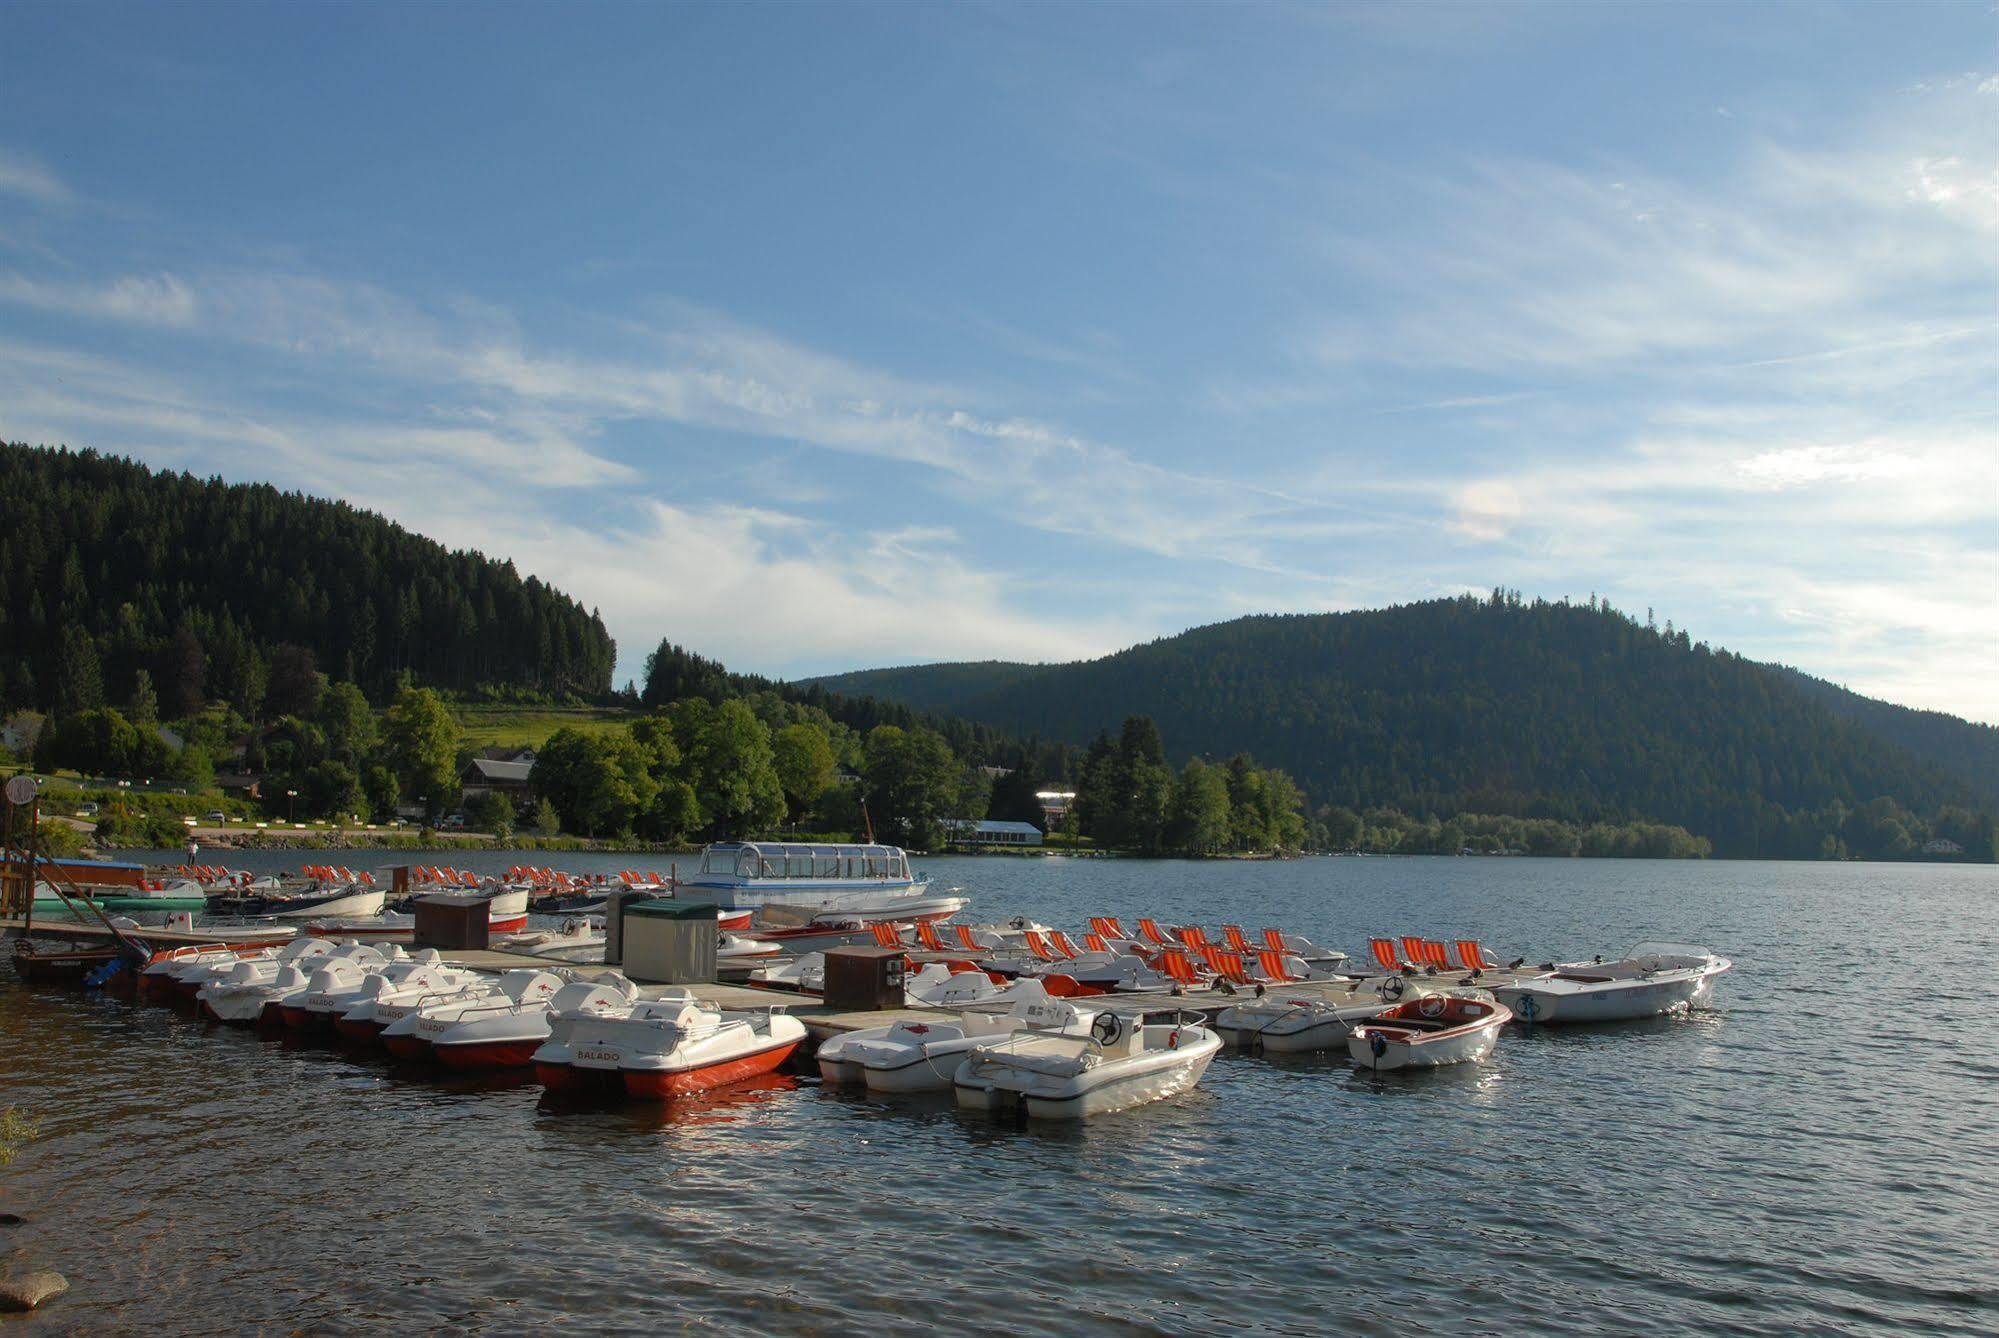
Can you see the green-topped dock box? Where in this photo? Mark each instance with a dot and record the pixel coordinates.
(669, 942)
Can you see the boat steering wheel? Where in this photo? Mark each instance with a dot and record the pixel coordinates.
(1433, 1006)
(1107, 1029)
(1392, 988)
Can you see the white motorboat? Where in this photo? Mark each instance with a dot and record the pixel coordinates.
(806, 974)
(670, 1046)
(1650, 980)
(1437, 1029)
(504, 1026)
(1056, 1075)
(383, 996)
(918, 1055)
(352, 901)
(1278, 1023)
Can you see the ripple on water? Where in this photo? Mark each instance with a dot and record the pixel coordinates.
(1798, 1158)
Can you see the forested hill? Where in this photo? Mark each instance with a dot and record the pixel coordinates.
(1501, 706)
(108, 569)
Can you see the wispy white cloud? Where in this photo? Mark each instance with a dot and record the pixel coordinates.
(27, 177)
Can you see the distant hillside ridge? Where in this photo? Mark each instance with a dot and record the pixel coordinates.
(937, 688)
(1498, 705)
(108, 568)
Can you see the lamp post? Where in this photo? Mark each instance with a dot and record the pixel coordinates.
(291, 806)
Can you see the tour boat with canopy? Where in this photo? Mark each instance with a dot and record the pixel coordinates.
(797, 883)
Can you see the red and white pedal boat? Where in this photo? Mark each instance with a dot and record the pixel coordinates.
(504, 1031)
(671, 1046)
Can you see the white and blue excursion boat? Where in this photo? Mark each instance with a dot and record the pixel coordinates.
(801, 883)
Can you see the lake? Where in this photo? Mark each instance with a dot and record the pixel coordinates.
(1819, 1152)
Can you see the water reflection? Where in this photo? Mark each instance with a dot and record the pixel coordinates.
(1777, 1164)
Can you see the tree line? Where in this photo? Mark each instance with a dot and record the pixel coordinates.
(217, 592)
(1577, 713)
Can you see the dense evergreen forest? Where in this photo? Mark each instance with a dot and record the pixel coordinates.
(1575, 713)
(269, 630)
(108, 570)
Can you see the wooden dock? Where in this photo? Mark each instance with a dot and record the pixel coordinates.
(822, 1022)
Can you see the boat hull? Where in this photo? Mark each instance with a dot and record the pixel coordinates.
(1103, 1090)
(1556, 998)
(666, 1084)
(58, 967)
(479, 1055)
(1464, 1046)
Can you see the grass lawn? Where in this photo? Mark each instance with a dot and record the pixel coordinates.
(483, 726)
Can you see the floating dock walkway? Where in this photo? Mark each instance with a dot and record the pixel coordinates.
(822, 1022)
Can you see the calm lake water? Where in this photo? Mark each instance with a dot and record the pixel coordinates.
(1821, 1152)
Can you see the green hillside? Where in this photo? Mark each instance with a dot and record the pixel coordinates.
(215, 590)
(1496, 705)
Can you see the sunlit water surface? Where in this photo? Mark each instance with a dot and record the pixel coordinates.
(1822, 1151)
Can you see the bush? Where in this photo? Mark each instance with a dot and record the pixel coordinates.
(490, 811)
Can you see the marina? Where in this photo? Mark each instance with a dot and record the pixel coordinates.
(682, 1195)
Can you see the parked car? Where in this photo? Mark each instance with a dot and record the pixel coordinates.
(217, 815)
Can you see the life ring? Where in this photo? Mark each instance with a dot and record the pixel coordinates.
(1433, 1006)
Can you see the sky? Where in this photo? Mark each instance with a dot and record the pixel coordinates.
(827, 337)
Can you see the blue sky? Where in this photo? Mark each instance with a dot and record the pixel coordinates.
(820, 337)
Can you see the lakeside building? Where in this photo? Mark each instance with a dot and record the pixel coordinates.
(500, 771)
(965, 832)
(1055, 806)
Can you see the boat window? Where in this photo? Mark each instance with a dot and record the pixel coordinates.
(826, 866)
(798, 866)
(895, 866)
(746, 864)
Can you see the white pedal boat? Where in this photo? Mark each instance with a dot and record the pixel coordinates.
(1294, 1024)
(806, 974)
(739, 948)
(1651, 980)
(1434, 1030)
(504, 1030)
(938, 986)
(242, 994)
(670, 1046)
(383, 996)
(1113, 972)
(334, 979)
(579, 939)
(399, 1017)
(1119, 1064)
(184, 971)
(923, 1056)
